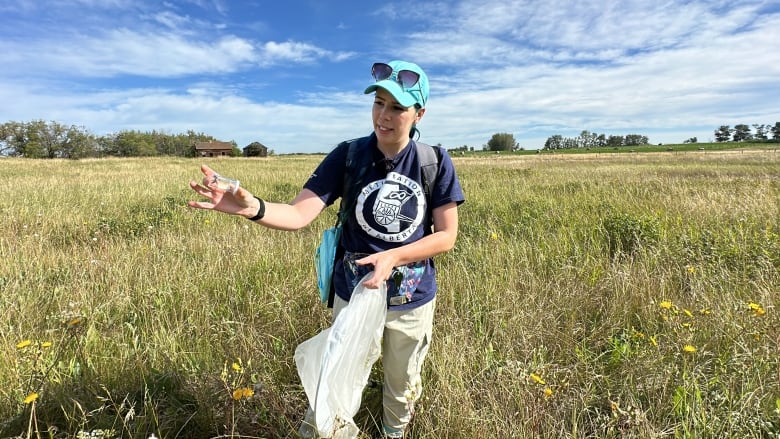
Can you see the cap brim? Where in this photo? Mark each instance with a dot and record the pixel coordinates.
(394, 88)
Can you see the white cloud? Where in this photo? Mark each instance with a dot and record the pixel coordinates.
(161, 55)
(126, 52)
(273, 52)
(171, 20)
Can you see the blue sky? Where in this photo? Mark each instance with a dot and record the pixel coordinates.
(291, 74)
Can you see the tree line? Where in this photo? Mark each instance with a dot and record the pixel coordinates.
(743, 133)
(586, 139)
(41, 139)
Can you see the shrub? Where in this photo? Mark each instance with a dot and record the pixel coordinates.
(626, 234)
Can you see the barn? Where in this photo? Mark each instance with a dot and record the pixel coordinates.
(214, 149)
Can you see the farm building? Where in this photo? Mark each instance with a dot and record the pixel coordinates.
(255, 149)
(213, 149)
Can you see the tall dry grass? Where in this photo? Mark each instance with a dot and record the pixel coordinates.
(588, 296)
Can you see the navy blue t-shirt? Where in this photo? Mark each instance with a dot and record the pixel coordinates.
(391, 207)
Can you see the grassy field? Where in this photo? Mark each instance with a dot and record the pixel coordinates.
(588, 296)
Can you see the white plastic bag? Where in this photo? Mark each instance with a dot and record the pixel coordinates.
(334, 365)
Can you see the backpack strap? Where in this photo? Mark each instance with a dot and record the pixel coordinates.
(429, 157)
(429, 163)
(354, 174)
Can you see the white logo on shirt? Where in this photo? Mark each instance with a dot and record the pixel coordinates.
(393, 193)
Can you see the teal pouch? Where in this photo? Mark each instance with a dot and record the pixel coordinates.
(324, 260)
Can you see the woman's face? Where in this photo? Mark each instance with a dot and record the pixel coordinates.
(393, 122)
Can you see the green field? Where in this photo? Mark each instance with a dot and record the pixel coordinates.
(588, 296)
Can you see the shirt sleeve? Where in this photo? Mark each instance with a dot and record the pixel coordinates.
(447, 189)
(327, 180)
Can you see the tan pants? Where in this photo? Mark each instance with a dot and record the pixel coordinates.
(405, 343)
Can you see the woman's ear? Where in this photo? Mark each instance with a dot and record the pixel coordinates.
(419, 115)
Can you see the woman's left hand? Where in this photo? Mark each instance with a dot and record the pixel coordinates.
(383, 263)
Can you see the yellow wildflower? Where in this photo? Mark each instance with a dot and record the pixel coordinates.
(30, 398)
(243, 392)
(537, 378)
(666, 304)
(494, 236)
(689, 349)
(548, 392)
(236, 367)
(46, 344)
(691, 269)
(757, 309)
(23, 344)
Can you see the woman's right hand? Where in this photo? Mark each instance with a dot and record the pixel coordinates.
(242, 202)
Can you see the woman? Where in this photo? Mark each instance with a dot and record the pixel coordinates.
(387, 230)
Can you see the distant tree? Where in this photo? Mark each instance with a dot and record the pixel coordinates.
(78, 144)
(742, 133)
(5, 148)
(761, 132)
(502, 142)
(636, 140)
(776, 131)
(133, 144)
(41, 139)
(615, 141)
(11, 136)
(553, 142)
(692, 140)
(723, 134)
(586, 139)
(463, 148)
(165, 144)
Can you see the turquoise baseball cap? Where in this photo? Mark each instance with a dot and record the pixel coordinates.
(393, 75)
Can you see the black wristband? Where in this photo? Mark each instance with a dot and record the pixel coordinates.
(260, 211)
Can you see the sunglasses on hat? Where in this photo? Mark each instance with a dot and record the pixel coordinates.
(407, 78)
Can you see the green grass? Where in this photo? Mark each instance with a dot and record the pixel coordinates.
(564, 310)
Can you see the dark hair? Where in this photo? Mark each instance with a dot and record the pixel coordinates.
(414, 129)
